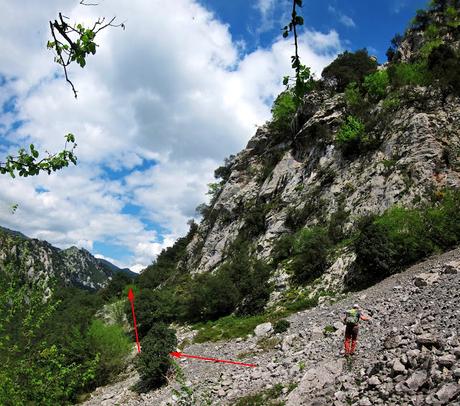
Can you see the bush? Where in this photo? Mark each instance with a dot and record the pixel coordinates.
(349, 67)
(153, 306)
(351, 135)
(283, 111)
(310, 254)
(403, 74)
(376, 84)
(443, 64)
(353, 96)
(154, 361)
(112, 346)
(443, 221)
(281, 326)
(388, 243)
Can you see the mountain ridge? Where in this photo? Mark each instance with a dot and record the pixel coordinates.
(40, 262)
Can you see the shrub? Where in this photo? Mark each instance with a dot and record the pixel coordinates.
(283, 111)
(389, 243)
(376, 84)
(112, 346)
(310, 254)
(443, 220)
(154, 362)
(403, 74)
(351, 135)
(353, 96)
(392, 52)
(391, 102)
(349, 67)
(281, 326)
(443, 64)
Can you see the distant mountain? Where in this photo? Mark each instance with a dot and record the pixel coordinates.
(40, 262)
(116, 269)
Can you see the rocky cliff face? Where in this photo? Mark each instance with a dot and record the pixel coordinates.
(40, 262)
(418, 154)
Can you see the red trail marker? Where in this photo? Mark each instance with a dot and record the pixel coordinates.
(131, 299)
(179, 354)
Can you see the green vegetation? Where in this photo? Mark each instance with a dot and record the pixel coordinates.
(404, 74)
(227, 328)
(349, 67)
(281, 326)
(111, 345)
(376, 84)
(353, 95)
(351, 136)
(266, 397)
(388, 243)
(283, 111)
(53, 350)
(154, 360)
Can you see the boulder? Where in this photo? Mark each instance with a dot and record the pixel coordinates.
(263, 329)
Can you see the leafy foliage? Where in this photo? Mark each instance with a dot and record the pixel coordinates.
(349, 67)
(389, 243)
(281, 326)
(310, 251)
(28, 163)
(283, 111)
(73, 43)
(303, 79)
(353, 95)
(111, 346)
(443, 63)
(392, 52)
(351, 135)
(403, 74)
(376, 84)
(154, 362)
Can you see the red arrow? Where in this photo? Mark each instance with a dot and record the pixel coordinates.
(131, 299)
(179, 354)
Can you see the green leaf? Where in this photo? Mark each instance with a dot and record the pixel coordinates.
(299, 20)
(298, 2)
(285, 34)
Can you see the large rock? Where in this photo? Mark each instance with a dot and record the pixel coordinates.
(263, 329)
(316, 378)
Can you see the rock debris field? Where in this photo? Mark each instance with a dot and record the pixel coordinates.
(408, 354)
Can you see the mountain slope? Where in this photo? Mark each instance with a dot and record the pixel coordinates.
(408, 354)
(40, 262)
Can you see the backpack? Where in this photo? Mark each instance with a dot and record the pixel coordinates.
(352, 316)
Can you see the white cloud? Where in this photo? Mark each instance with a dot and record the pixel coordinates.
(344, 19)
(172, 88)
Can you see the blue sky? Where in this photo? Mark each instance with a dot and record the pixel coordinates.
(160, 106)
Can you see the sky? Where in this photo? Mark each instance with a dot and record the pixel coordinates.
(159, 107)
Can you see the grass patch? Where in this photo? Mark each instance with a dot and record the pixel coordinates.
(227, 328)
(265, 397)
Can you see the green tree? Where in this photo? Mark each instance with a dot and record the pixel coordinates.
(154, 361)
(349, 67)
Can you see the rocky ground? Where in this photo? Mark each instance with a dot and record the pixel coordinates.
(408, 354)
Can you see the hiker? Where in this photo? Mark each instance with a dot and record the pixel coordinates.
(351, 319)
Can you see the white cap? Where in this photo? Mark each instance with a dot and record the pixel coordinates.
(356, 306)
